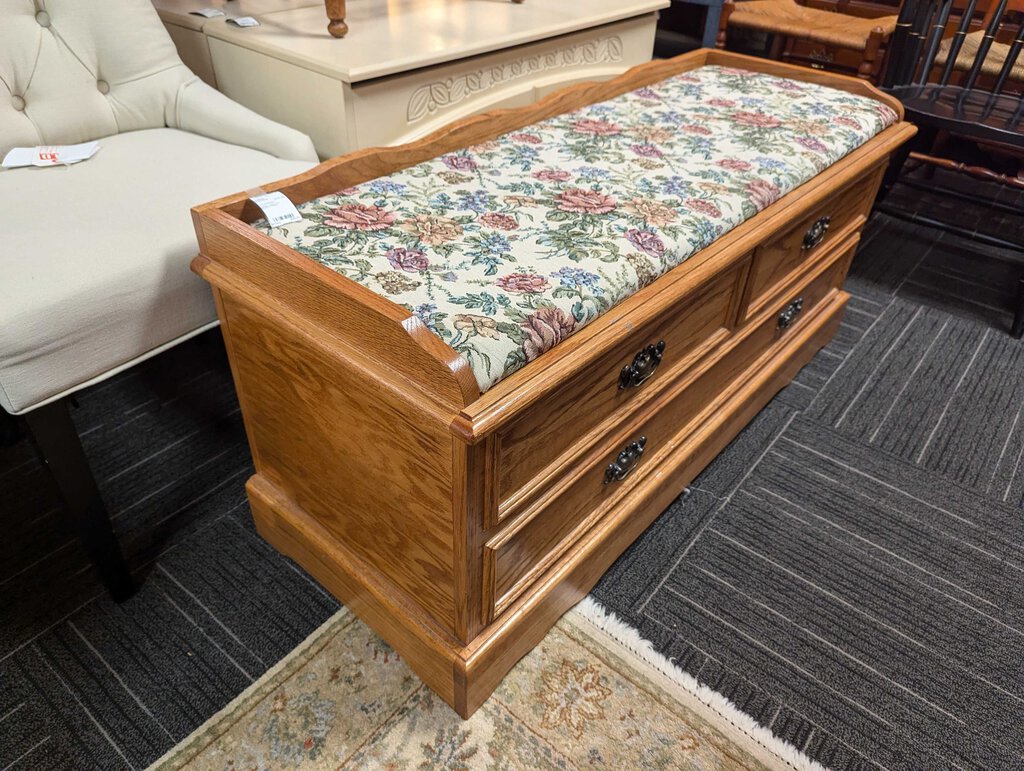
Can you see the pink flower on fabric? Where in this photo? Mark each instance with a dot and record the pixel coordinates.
(499, 221)
(552, 175)
(585, 201)
(721, 102)
(695, 128)
(594, 126)
(545, 328)
(812, 144)
(530, 139)
(409, 260)
(356, 216)
(756, 119)
(842, 120)
(704, 207)
(734, 164)
(523, 282)
(646, 151)
(646, 241)
(762, 192)
(459, 162)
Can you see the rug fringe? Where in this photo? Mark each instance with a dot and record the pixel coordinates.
(602, 619)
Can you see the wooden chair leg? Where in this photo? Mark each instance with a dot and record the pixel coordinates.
(1018, 317)
(61, 449)
(723, 24)
(9, 432)
(336, 17)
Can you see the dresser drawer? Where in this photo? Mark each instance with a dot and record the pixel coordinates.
(617, 383)
(779, 259)
(515, 557)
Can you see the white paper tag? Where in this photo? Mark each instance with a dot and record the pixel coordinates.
(51, 155)
(209, 13)
(277, 208)
(244, 21)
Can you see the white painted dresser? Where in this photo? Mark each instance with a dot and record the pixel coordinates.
(408, 67)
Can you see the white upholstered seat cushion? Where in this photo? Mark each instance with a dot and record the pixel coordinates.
(94, 265)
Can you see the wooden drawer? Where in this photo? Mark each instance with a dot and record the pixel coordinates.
(557, 427)
(536, 538)
(780, 259)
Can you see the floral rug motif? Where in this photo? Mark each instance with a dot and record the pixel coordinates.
(581, 699)
(508, 247)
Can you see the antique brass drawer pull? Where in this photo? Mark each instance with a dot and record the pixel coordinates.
(816, 233)
(788, 316)
(628, 460)
(643, 366)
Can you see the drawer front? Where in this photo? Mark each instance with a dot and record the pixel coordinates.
(778, 260)
(540, 535)
(623, 378)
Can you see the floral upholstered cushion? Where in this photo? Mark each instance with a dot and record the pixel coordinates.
(508, 247)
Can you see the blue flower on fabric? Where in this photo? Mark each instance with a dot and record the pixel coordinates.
(577, 278)
(478, 201)
(384, 186)
(592, 172)
(677, 186)
(494, 243)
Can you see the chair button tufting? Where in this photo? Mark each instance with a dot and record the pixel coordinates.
(103, 86)
(43, 18)
(18, 103)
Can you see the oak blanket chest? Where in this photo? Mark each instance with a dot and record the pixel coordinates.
(483, 363)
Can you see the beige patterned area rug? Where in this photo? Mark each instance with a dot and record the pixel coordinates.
(591, 695)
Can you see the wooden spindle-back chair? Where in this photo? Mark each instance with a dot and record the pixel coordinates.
(948, 98)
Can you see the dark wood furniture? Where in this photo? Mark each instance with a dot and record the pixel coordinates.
(461, 525)
(861, 36)
(944, 103)
(60, 449)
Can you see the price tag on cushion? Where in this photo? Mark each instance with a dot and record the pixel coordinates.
(209, 13)
(244, 21)
(50, 155)
(277, 209)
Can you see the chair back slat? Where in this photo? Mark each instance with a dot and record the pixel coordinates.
(899, 54)
(957, 42)
(986, 43)
(916, 39)
(1011, 60)
(938, 29)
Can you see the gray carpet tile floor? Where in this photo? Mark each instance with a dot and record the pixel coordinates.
(848, 571)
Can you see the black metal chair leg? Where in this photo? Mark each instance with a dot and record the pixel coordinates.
(1018, 316)
(9, 433)
(61, 449)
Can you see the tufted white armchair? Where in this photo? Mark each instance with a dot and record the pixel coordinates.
(94, 257)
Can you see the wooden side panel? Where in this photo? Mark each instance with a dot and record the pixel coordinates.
(373, 470)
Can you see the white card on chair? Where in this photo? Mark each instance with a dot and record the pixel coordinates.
(49, 155)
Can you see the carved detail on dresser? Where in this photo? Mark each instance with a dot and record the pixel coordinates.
(428, 99)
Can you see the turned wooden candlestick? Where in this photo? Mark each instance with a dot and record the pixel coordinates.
(336, 13)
